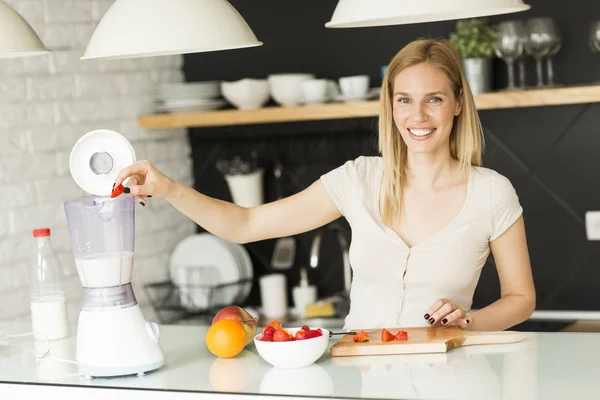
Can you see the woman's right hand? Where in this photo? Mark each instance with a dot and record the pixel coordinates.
(145, 180)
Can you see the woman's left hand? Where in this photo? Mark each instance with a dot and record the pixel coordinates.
(447, 313)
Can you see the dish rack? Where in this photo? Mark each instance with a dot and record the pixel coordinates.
(193, 303)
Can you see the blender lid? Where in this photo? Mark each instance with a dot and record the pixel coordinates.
(97, 158)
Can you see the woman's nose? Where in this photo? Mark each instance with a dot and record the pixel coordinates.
(419, 113)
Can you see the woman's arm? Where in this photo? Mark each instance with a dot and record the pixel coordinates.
(299, 213)
(302, 212)
(517, 301)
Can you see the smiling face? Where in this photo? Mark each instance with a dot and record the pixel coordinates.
(424, 108)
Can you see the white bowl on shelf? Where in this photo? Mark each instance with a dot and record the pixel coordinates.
(295, 353)
(286, 89)
(246, 94)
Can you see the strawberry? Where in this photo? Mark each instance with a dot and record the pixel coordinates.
(281, 335)
(266, 338)
(305, 328)
(386, 336)
(117, 191)
(361, 336)
(313, 334)
(320, 331)
(301, 335)
(401, 335)
(275, 324)
(268, 330)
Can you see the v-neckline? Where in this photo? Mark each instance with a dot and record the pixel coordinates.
(395, 234)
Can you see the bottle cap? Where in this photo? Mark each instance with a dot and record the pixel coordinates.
(41, 232)
(97, 158)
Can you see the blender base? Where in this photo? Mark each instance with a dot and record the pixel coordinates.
(117, 342)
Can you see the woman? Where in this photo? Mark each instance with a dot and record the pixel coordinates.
(424, 215)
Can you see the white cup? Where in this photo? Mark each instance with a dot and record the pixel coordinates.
(354, 86)
(273, 295)
(314, 91)
(246, 189)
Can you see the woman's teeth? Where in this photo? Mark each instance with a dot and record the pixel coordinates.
(421, 132)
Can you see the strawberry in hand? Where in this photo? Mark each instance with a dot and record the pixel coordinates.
(117, 191)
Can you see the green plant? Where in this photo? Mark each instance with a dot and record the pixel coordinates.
(473, 38)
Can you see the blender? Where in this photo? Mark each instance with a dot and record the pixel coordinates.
(113, 337)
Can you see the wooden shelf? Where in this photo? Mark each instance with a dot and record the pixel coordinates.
(486, 101)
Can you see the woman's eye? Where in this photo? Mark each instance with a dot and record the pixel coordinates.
(404, 100)
(435, 100)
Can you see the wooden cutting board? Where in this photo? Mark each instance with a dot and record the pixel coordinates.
(420, 340)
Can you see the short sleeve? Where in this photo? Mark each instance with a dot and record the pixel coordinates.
(340, 183)
(505, 205)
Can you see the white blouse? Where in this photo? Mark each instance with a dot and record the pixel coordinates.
(394, 285)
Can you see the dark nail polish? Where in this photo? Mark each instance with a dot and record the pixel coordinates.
(126, 190)
(426, 316)
(114, 185)
(431, 320)
(149, 196)
(143, 204)
(445, 321)
(468, 321)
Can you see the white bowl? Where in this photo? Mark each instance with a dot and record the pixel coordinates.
(286, 89)
(246, 94)
(293, 354)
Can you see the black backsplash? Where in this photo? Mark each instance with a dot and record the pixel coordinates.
(549, 153)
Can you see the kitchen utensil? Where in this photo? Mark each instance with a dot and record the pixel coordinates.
(113, 337)
(421, 340)
(342, 333)
(285, 248)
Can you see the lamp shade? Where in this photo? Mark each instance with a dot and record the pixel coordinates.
(364, 13)
(17, 37)
(143, 28)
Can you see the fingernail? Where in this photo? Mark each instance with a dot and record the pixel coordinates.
(431, 320)
(468, 321)
(114, 185)
(126, 190)
(143, 204)
(148, 196)
(426, 316)
(445, 321)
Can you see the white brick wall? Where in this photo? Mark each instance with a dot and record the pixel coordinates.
(46, 104)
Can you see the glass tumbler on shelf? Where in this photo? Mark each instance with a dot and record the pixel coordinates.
(509, 46)
(539, 43)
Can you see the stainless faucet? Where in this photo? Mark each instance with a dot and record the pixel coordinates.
(316, 246)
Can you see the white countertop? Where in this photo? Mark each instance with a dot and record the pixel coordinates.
(544, 366)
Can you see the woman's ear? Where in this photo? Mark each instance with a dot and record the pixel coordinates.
(459, 103)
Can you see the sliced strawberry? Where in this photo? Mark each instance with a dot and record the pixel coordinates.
(305, 328)
(386, 336)
(361, 336)
(301, 335)
(401, 335)
(268, 330)
(320, 331)
(266, 338)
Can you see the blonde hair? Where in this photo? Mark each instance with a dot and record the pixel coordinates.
(466, 137)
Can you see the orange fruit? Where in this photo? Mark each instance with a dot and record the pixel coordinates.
(226, 338)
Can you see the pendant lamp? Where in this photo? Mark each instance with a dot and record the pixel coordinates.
(147, 28)
(17, 37)
(365, 13)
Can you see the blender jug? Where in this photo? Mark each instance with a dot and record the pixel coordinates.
(102, 234)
